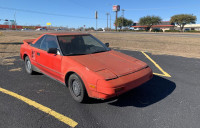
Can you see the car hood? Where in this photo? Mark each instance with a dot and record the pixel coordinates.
(110, 64)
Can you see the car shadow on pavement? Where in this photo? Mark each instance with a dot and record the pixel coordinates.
(147, 94)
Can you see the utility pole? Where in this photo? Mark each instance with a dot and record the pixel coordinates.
(96, 24)
(96, 17)
(107, 20)
(15, 20)
(116, 22)
(122, 18)
(110, 22)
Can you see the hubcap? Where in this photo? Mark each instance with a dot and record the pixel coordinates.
(76, 88)
(28, 65)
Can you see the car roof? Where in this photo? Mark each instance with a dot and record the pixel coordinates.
(65, 34)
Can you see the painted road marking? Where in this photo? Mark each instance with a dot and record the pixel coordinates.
(47, 110)
(164, 73)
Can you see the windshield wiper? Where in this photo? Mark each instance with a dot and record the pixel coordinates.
(74, 54)
(98, 51)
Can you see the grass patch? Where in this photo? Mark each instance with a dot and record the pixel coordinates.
(186, 46)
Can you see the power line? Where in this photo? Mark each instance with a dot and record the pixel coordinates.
(45, 13)
(80, 5)
(144, 9)
(75, 2)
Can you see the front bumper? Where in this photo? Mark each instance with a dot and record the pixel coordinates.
(115, 87)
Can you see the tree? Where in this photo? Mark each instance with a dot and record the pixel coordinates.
(149, 21)
(183, 19)
(123, 22)
(99, 29)
(90, 29)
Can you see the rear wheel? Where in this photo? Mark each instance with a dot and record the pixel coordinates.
(77, 88)
(28, 65)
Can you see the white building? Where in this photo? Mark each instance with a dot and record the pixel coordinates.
(190, 27)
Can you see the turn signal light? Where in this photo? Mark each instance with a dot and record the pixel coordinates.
(92, 86)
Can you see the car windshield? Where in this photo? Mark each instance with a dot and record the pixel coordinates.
(80, 45)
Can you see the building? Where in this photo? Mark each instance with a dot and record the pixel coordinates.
(164, 25)
(19, 27)
(189, 27)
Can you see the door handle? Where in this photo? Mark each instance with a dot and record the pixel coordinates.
(38, 53)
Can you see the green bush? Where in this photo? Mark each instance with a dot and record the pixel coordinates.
(156, 30)
(172, 31)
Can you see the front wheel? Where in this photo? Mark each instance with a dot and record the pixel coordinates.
(77, 88)
(28, 65)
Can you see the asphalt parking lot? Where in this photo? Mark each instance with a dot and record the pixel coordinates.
(163, 102)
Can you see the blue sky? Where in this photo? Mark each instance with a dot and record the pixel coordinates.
(84, 11)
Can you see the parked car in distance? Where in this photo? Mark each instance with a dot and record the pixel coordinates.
(58, 29)
(40, 29)
(24, 29)
(84, 64)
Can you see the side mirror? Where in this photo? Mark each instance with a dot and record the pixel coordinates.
(107, 45)
(52, 50)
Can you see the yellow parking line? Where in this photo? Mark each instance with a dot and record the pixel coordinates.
(164, 73)
(47, 110)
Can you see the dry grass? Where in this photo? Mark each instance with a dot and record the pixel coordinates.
(10, 44)
(157, 44)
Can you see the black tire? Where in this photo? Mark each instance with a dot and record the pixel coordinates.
(28, 65)
(77, 88)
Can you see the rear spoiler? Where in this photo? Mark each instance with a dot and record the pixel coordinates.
(28, 41)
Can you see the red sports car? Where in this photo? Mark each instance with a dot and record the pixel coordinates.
(84, 64)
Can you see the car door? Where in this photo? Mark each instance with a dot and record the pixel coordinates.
(50, 64)
(34, 49)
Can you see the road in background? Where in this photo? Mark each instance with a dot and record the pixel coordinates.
(161, 102)
(176, 34)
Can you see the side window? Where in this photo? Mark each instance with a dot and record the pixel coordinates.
(49, 42)
(43, 45)
(52, 42)
(38, 43)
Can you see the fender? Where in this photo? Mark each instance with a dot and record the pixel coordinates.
(91, 91)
